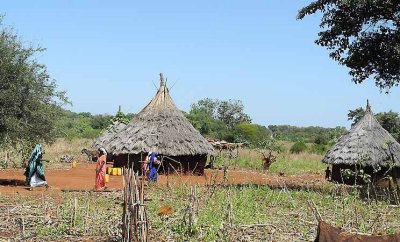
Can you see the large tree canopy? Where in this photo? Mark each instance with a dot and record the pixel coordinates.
(29, 100)
(363, 35)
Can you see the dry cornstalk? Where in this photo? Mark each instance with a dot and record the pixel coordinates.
(134, 218)
(193, 208)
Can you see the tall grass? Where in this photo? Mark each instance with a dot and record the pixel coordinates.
(73, 147)
(290, 164)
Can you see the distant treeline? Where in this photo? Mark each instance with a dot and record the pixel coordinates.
(83, 125)
(223, 120)
(317, 135)
(226, 120)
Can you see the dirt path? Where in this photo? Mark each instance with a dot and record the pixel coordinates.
(83, 178)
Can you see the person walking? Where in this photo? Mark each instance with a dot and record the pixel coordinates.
(34, 172)
(154, 163)
(101, 170)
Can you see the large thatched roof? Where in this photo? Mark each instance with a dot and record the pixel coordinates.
(159, 127)
(114, 128)
(367, 144)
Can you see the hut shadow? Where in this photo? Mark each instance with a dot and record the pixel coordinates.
(12, 182)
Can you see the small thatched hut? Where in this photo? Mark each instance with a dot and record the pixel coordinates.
(160, 127)
(111, 130)
(368, 147)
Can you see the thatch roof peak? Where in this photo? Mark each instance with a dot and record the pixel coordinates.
(368, 108)
(159, 127)
(366, 144)
(162, 99)
(162, 81)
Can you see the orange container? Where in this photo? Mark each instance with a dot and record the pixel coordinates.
(107, 178)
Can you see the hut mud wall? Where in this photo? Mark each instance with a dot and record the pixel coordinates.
(184, 164)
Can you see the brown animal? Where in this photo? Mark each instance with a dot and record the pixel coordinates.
(267, 160)
(328, 233)
(92, 155)
(165, 210)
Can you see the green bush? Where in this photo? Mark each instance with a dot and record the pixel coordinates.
(319, 149)
(298, 147)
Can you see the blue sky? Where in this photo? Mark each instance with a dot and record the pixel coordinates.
(109, 53)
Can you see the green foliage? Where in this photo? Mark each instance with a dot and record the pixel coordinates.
(251, 134)
(355, 115)
(361, 35)
(120, 117)
(391, 122)
(271, 144)
(308, 134)
(217, 119)
(322, 139)
(231, 112)
(208, 126)
(29, 100)
(72, 125)
(81, 125)
(298, 147)
(319, 149)
(359, 175)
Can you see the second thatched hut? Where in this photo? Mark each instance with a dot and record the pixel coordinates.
(366, 149)
(160, 127)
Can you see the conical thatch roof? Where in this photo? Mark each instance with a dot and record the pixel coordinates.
(159, 127)
(366, 144)
(116, 126)
(103, 139)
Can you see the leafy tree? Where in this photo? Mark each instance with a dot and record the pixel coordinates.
(217, 119)
(201, 120)
(29, 100)
(231, 112)
(251, 134)
(207, 106)
(209, 126)
(355, 115)
(101, 121)
(322, 139)
(391, 122)
(363, 35)
(319, 149)
(298, 147)
(119, 117)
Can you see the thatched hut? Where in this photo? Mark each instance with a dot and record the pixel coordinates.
(104, 137)
(160, 127)
(115, 127)
(367, 147)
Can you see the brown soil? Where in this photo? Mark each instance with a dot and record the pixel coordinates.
(83, 178)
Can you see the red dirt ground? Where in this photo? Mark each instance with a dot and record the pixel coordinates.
(83, 178)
